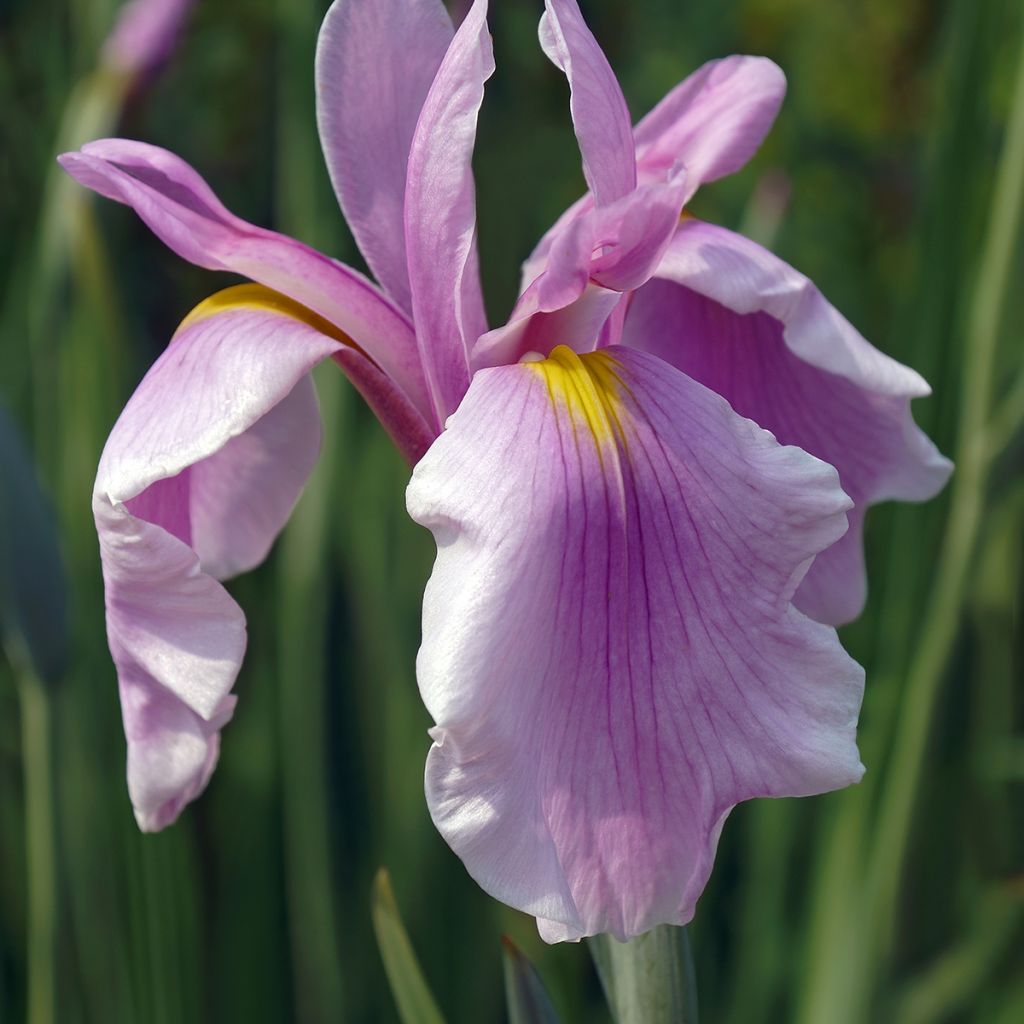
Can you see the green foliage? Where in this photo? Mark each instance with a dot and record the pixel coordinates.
(412, 995)
(526, 999)
(899, 900)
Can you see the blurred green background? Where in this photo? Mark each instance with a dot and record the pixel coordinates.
(893, 178)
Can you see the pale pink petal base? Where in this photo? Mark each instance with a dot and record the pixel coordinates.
(610, 651)
(606, 251)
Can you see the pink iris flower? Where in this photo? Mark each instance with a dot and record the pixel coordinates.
(647, 488)
(145, 34)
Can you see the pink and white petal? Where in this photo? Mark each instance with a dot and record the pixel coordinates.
(535, 264)
(606, 251)
(631, 235)
(746, 278)
(713, 121)
(171, 751)
(198, 476)
(533, 330)
(181, 209)
(440, 214)
(599, 112)
(375, 62)
(854, 415)
(609, 649)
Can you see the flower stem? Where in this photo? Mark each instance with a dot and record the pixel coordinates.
(650, 979)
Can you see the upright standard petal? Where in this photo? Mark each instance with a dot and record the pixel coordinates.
(748, 326)
(440, 214)
(182, 210)
(711, 124)
(609, 650)
(607, 251)
(599, 112)
(375, 62)
(199, 474)
(713, 121)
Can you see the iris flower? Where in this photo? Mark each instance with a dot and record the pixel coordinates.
(647, 488)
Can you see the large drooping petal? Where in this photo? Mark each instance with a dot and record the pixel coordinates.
(750, 327)
(609, 650)
(608, 250)
(198, 476)
(713, 121)
(182, 210)
(599, 112)
(440, 214)
(375, 62)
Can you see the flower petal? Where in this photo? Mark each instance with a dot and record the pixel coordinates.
(713, 121)
(750, 327)
(182, 210)
(609, 648)
(198, 476)
(375, 62)
(440, 214)
(608, 250)
(599, 112)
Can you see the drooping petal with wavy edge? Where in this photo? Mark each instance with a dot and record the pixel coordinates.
(607, 251)
(712, 122)
(609, 650)
(759, 333)
(375, 62)
(184, 213)
(197, 478)
(599, 112)
(440, 214)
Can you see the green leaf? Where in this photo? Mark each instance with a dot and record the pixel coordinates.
(525, 995)
(412, 996)
(33, 590)
(650, 979)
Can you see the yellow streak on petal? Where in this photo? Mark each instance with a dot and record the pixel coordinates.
(258, 298)
(587, 387)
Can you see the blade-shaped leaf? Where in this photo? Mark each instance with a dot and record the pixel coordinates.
(525, 995)
(412, 996)
(33, 590)
(650, 979)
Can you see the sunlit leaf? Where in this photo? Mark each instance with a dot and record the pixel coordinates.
(412, 996)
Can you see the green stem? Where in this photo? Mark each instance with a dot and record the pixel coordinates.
(1007, 420)
(650, 979)
(939, 631)
(40, 850)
